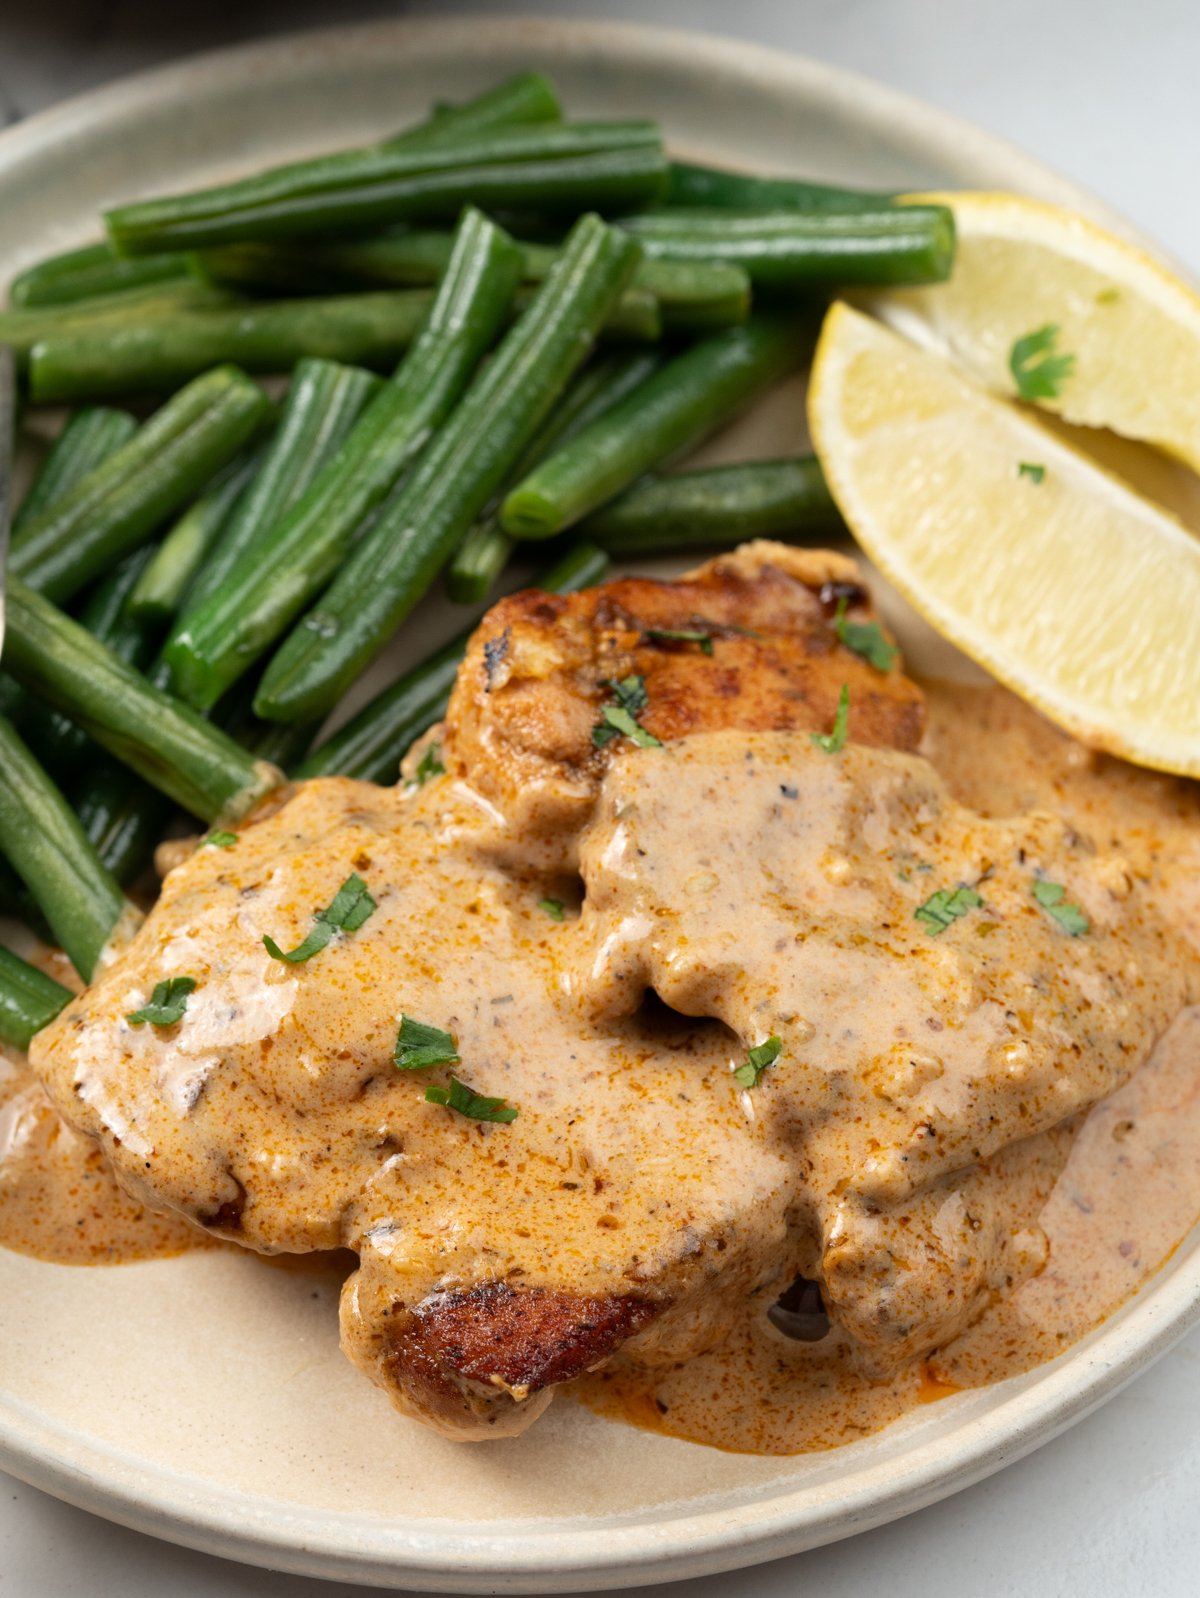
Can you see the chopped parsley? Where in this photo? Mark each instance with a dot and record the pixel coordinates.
(351, 906)
(219, 840)
(865, 638)
(458, 1096)
(430, 765)
(1038, 371)
(621, 717)
(1052, 897)
(1030, 469)
(831, 742)
(680, 635)
(418, 1046)
(167, 1003)
(757, 1061)
(944, 907)
(1108, 296)
(552, 907)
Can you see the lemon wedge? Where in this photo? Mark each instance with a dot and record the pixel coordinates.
(1051, 573)
(1095, 329)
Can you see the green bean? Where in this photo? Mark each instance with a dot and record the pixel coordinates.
(323, 407)
(690, 185)
(634, 319)
(29, 1000)
(526, 97)
(719, 505)
(44, 842)
(133, 357)
(273, 741)
(372, 745)
(466, 463)
(126, 820)
(547, 166)
(90, 436)
(483, 554)
(171, 567)
(93, 270)
(796, 249)
(59, 744)
(674, 410)
(278, 743)
(122, 817)
(693, 296)
(27, 326)
(260, 597)
(168, 744)
(87, 439)
(478, 562)
(121, 501)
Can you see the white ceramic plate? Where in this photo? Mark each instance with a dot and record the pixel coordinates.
(204, 1399)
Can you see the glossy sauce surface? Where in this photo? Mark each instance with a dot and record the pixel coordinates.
(277, 1115)
(1124, 1178)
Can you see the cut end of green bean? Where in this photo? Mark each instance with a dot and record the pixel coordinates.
(531, 515)
(482, 556)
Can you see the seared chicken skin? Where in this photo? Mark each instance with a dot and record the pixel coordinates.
(758, 883)
(541, 667)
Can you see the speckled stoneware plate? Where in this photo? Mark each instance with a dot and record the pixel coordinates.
(204, 1399)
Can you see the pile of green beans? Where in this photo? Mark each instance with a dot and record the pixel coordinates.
(465, 464)
(122, 500)
(221, 639)
(692, 296)
(41, 836)
(190, 596)
(674, 410)
(484, 552)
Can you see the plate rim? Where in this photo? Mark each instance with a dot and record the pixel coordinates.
(716, 1537)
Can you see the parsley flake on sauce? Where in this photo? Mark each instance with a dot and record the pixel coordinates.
(418, 1046)
(865, 638)
(1030, 469)
(1052, 897)
(621, 718)
(219, 840)
(351, 906)
(680, 635)
(429, 766)
(458, 1096)
(167, 1003)
(552, 907)
(1037, 369)
(944, 907)
(831, 742)
(757, 1061)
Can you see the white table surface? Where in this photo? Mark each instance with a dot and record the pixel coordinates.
(1105, 92)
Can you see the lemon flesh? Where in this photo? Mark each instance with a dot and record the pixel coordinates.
(1132, 327)
(1059, 579)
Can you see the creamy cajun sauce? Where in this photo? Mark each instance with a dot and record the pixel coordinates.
(59, 1200)
(926, 1146)
(1129, 1186)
